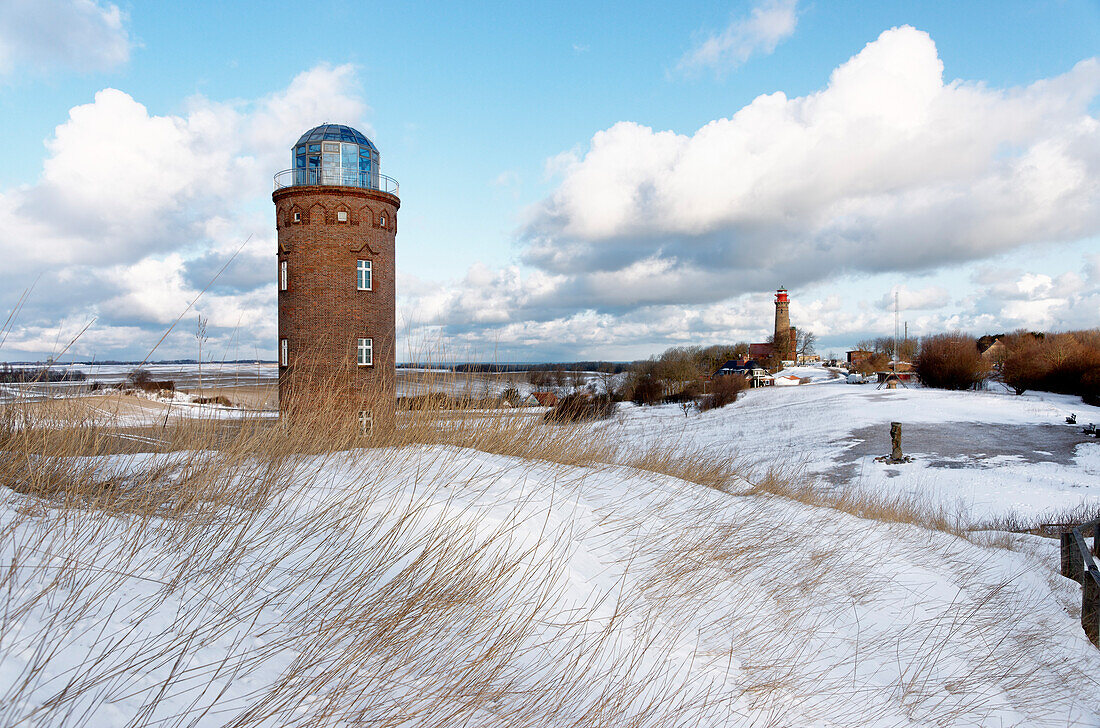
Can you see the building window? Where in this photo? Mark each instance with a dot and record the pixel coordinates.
(366, 352)
(363, 276)
(341, 216)
(382, 220)
(297, 217)
(283, 358)
(366, 422)
(282, 275)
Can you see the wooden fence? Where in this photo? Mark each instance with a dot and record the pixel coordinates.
(1079, 564)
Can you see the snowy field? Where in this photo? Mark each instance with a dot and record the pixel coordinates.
(984, 454)
(214, 375)
(434, 586)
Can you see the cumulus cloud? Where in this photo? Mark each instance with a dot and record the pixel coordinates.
(769, 22)
(73, 34)
(888, 168)
(136, 212)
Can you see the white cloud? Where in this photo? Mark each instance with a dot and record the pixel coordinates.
(135, 212)
(769, 22)
(74, 34)
(910, 299)
(887, 168)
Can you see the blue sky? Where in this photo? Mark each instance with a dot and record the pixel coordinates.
(558, 167)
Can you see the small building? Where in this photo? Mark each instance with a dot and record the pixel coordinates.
(899, 376)
(760, 351)
(750, 370)
(858, 356)
(787, 380)
(545, 399)
(804, 359)
(992, 349)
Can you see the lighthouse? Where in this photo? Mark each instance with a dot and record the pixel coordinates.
(784, 337)
(336, 223)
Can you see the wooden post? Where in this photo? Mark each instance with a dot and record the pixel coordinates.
(1090, 606)
(1071, 560)
(895, 441)
(1096, 539)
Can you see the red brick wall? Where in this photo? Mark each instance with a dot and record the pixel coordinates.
(322, 314)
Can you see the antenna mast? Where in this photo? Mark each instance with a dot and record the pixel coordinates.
(894, 364)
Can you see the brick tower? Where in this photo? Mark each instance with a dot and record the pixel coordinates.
(784, 332)
(336, 218)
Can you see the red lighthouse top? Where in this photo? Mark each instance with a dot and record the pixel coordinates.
(781, 295)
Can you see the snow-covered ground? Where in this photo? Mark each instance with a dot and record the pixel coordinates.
(444, 587)
(989, 453)
(213, 375)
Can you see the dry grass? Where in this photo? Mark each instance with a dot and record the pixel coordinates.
(150, 574)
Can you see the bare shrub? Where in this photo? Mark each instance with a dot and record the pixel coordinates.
(951, 361)
(1067, 363)
(646, 391)
(511, 395)
(218, 399)
(581, 406)
(724, 390)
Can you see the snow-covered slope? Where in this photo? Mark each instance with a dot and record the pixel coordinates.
(445, 587)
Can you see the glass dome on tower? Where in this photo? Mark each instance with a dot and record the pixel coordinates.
(334, 154)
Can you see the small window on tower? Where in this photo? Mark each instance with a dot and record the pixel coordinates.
(382, 220)
(365, 356)
(297, 217)
(283, 358)
(341, 215)
(363, 275)
(282, 275)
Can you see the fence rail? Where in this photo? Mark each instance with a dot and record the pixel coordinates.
(324, 176)
(1079, 564)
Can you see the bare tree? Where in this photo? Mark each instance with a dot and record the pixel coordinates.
(805, 342)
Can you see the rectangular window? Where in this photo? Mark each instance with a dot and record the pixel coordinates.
(283, 358)
(366, 422)
(282, 275)
(341, 216)
(363, 276)
(366, 352)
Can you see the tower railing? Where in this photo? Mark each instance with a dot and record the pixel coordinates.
(319, 177)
